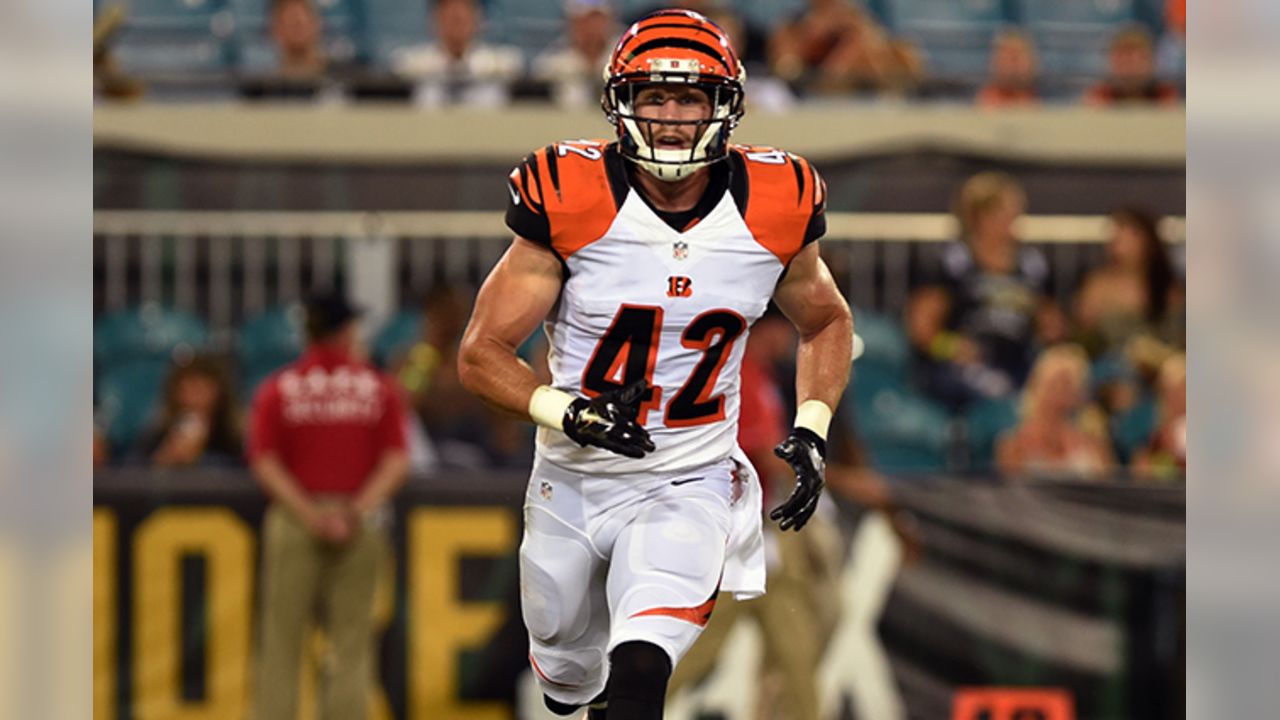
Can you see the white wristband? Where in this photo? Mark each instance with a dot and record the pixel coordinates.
(814, 415)
(547, 406)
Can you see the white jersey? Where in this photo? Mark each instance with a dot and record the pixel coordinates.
(642, 299)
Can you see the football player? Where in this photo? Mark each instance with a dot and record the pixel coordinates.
(647, 259)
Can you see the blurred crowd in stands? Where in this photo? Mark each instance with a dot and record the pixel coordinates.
(487, 53)
(984, 371)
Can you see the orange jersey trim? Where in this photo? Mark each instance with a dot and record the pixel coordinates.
(784, 194)
(699, 615)
(570, 182)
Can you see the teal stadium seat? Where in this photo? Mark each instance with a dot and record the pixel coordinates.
(904, 432)
(984, 422)
(167, 38)
(268, 341)
(395, 24)
(396, 336)
(531, 25)
(883, 338)
(769, 14)
(954, 35)
(128, 395)
(149, 333)
(1072, 35)
(1131, 430)
(345, 32)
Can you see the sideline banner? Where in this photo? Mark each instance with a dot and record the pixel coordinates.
(1074, 592)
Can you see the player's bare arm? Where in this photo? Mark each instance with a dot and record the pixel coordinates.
(515, 298)
(808, 296)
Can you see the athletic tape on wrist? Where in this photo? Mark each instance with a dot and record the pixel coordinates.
(547, 406)
(814, 415)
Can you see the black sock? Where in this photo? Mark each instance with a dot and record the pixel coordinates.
(558, 707)
(599, 704)
(638, 676)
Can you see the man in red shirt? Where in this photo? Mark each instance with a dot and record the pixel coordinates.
(327, 443)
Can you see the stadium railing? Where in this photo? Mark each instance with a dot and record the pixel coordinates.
(226, 266)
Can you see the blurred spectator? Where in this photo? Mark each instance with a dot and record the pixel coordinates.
(200, 420)
(834, 48)
(1013, 69)
(574, 64)
(108, 81)
(974, 324)
(1165, 456)
(465, 432)
(1131, 73)
(1135, 293)
(1171, 52)
(764, 92)
(297, 32)
(1058, 434)
(327, 444)
(459, 69)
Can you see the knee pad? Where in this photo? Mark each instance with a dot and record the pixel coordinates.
(549, 565)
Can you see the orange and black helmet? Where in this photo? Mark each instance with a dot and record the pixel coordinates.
(674, 47)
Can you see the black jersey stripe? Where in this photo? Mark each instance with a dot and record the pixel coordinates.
(738, 181)
(677, 26)
(553, 169)
(795, 167)
(537, 180)
(682, 43)
(615, 167)
(524, 185)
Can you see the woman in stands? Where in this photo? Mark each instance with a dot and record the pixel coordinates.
(1135, 293)
(1058, 435)
(200, 421)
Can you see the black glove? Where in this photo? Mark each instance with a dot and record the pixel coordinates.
(609, 421)
(806, 453)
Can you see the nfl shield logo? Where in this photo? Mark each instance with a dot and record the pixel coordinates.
(546, 490)
(680, 250)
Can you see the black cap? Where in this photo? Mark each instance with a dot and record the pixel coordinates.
(326, 314)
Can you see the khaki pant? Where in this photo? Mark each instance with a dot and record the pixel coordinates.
(796, 617)
(306, 582)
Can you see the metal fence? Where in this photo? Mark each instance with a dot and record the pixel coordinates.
(227, 266)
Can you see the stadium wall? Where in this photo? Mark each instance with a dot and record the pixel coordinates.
(1075, 589)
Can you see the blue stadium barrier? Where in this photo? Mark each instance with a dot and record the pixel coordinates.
(127, 397)
(396, 336)
(267, 342)
(1072, 35)
(396, 24)
(176, 38)
(954, 35)
(146, 333)
(984, 422)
